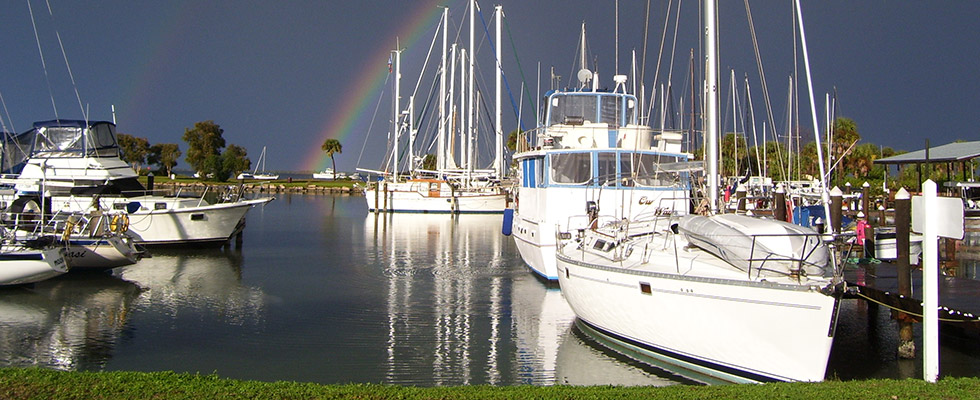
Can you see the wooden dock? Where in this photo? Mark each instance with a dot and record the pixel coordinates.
(878, 283)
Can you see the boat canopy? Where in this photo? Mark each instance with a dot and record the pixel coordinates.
(16, 150)
(74, 138)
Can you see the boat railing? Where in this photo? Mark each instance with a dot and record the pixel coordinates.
(759, 257)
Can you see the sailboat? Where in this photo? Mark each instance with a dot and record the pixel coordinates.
(728, 297)
(447, 189)
(590, 151)
(255, 173)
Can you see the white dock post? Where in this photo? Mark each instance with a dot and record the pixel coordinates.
(930, 286)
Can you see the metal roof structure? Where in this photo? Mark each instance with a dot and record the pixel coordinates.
(952, 152)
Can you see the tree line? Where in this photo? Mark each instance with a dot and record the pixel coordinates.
(207, 153)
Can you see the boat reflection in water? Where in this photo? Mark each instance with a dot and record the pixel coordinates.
(69, 323)
(444, 272)
(208, 280)
(461, 304)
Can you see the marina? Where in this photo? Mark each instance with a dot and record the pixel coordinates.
(350, 297)
(589, 226)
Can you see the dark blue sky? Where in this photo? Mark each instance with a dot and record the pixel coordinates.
(280, 74)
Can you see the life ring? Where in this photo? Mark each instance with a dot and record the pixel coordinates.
(119, 223)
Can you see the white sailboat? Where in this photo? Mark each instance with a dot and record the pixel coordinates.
(255, 174)
(590, 150)
(446, 189)
(729, 297)
(30, 261)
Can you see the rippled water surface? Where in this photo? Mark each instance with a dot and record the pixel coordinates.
(321, 291)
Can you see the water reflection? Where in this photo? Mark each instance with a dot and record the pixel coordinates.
(68, 323)
(203, 280)
(445, 296)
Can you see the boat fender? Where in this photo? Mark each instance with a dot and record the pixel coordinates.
(119, 223)
(508, 224)
(69, 228)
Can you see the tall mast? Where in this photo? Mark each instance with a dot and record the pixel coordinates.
(395, 106)
(453, 117)
(463, 143)
(711, 101)
(824, 195)
(470, 91)
(498, 161)
(441, 141)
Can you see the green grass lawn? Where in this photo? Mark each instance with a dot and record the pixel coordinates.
(34, 383)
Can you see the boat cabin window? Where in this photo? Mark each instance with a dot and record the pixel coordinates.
(573, 168)
(612, 110)
(573, 109)
(578, 109)
(606, 175)
(655, 169)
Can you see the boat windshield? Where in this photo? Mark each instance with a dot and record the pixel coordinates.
(74, 141)
(585, 108)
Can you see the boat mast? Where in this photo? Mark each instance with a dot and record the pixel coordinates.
(582, 60)
(395, 106)
(498, 161)
(441, 141)
(711, 100)
(824, 195)
(470, 91)
(462, 109)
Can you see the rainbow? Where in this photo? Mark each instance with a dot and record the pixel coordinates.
(353, 117)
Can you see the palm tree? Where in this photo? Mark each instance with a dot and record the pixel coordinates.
(331, 146)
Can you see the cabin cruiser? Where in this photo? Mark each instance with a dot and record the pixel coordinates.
(73, 166)
(590, 150)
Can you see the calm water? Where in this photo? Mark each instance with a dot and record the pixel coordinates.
(323, 292)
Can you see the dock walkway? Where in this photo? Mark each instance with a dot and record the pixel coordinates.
(959, 298)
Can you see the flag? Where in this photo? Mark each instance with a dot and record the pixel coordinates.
(389, 63)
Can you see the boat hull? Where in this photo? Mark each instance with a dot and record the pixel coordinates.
(736, 331)
(101, 253)
(434, 196)
(24, 266)
(210, 224)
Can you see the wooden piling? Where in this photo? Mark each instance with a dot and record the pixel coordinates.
(866, 201)
(903, 222)
(780, 198)
(740, 199)
(836, 204)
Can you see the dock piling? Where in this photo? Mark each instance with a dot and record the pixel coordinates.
(903, 222)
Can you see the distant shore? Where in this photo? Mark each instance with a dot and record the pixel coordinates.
(295, 186)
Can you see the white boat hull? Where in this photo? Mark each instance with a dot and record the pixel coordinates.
(24, 266)
(416, 196)
(734, 330)
(101, 253)
(214, 223)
